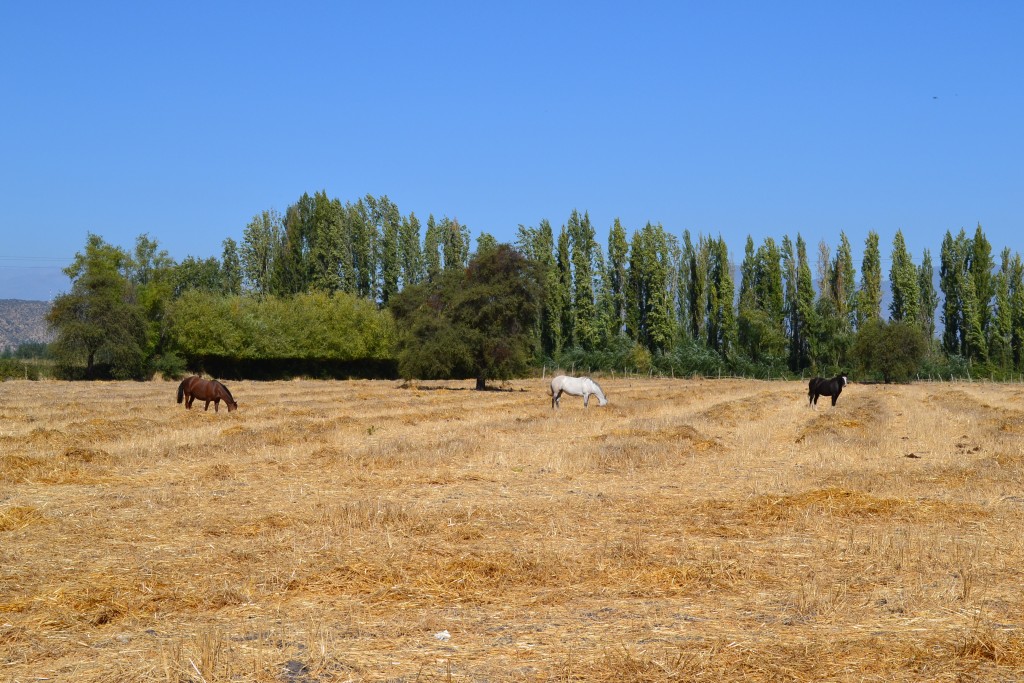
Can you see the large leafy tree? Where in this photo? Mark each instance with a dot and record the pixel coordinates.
(479, 322)
(99, 326)
(892, 350)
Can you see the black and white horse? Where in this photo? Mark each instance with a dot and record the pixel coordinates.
(819, 386)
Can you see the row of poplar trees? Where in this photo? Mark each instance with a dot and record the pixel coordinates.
(650, 299)
(650, 296)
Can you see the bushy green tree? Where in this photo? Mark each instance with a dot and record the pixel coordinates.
(100, 328)
(892, 351)
(478, 323)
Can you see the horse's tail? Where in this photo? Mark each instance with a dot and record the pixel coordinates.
(181, 391)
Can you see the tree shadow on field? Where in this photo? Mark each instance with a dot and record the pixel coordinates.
(486, 389)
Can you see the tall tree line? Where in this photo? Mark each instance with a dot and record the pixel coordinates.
(646, 289)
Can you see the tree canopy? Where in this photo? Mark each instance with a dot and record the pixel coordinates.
(478, 323)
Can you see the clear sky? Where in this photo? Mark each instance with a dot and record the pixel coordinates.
(184, 120)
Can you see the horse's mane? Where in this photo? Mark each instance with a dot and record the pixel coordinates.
(226, 390)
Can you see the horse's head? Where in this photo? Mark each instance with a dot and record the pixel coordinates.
(231, 404)
(844, 379)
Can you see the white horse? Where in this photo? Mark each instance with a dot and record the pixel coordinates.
(576, 386)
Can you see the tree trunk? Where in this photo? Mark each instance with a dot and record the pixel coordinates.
(481, 383)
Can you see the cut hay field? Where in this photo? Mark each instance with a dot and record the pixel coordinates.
(689, 531)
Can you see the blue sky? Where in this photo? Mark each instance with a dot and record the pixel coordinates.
(184, 120)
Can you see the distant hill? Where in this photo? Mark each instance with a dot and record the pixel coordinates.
(23, 321)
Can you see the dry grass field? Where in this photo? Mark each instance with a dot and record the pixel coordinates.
(690, 530)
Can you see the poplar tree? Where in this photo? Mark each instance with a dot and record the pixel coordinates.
(952, 277)
(929, 299)
(790, 306)
(1017, 307)
(411, 255)
(390, 252)
(537, 244)
(649, 320)
(904, 283)
(974, 344)
(563, 263)
(761, 316)
(231, 268)
(291, 269)
(1000, 341)
(981, 265)
(697, 288)
(618, 272)
(842, 282)
(722, 329)
(455, 246)
(259, 246)
(432, 249)
(806, 315)
(582, 246)
(869, 299)
(326, 237)
(363, 225)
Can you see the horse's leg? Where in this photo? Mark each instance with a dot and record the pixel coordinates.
(586, 399)
(216, 405)
(188, 402)
(556, 401)
(207, 406)
(835, 397)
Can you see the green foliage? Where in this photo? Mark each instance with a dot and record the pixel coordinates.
(892, 351)
(761, 317)
(650, 310)
(929, 299)
(11, 368)
(905, 284)
(314, 326)
(101, 330)
(656, 302)
(537, 244)
(477, 323)
(869, 298)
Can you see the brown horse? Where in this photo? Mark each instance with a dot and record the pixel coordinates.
(207, 390)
